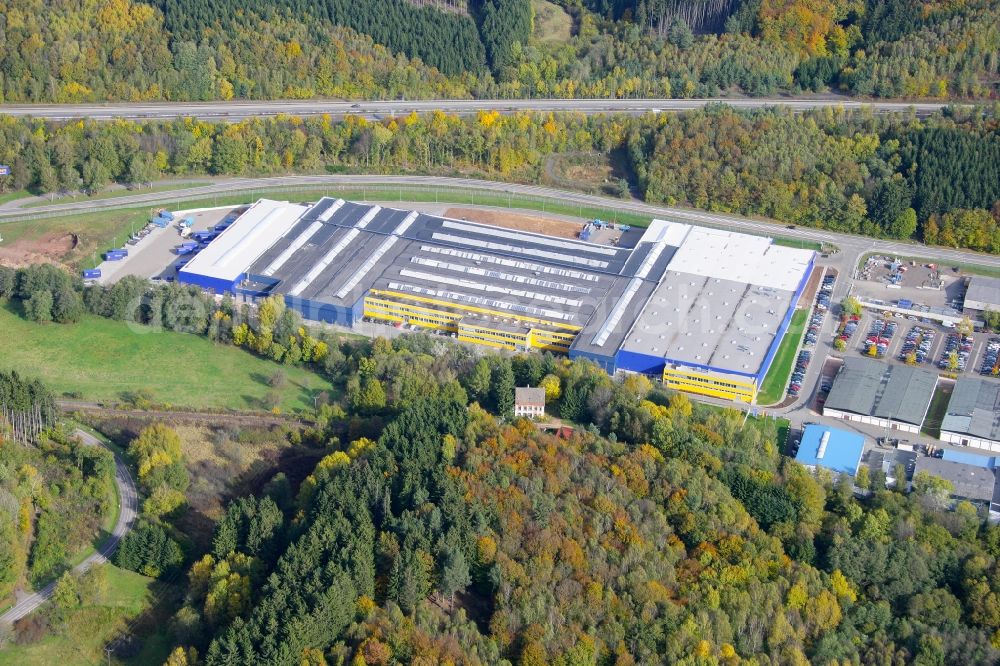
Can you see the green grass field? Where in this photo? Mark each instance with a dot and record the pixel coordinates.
(113, 194)
(936, 412)
(100, 359)
(773, 388)
(13, 196)
(95, 232)
(801, 244)
(90, 627)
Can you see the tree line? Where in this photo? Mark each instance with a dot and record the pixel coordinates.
(26, 407)
(934, 179)
(195, 50)
(900, 178)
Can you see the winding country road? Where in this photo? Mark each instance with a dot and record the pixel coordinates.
(239, 110)
(129, 502)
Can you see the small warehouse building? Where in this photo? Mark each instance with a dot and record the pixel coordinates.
(222, 265)
(867, 391)
(836, 450)
(890, 462)
(970, 482)
(529, 402)
(983, 293)
(973, 415)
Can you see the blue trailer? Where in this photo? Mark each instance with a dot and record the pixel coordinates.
(181, 249)
(161, 222)
(113, 256)
(181, 264)
(166, 215)
(222, 226)
(92, 273)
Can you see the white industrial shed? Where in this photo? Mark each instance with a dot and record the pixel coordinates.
(973, 416)
(983, 294)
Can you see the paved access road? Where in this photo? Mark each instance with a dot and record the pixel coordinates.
(129, 503)
(239, 110)
(852, 246)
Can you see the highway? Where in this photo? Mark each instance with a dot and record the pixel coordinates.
(238, 110)
(129, 504)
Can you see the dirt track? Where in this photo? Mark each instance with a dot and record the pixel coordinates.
(533, 223)
(203, 418)
(46, 250)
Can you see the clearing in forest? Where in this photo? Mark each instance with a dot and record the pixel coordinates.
(552, 23)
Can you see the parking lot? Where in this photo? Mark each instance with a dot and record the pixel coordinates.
(152, 252)
(940, 286)
(926, 344)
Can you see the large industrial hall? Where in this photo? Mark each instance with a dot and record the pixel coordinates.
(703, 309)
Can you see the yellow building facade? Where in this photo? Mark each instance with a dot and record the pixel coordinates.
(481, 326)
(710, 384)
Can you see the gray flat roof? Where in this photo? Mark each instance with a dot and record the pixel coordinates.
(974, 409)
(693, 319)
(339, 250)
(887, 459)
(872, 388)
(984, 290)
(604, 309)
(971, 482)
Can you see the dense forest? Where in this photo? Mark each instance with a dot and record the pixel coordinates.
(437, 529)
(934, 179)
(455, 538)
(199, 50)
(445, 40)
(664, 533)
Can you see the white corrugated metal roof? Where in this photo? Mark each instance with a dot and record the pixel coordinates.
(741, 258)
(253, 232)
(662, 231)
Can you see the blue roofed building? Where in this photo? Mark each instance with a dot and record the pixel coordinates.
(836, 450)
(951, 455)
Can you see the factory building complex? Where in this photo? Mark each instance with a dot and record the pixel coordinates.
(703, 309)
